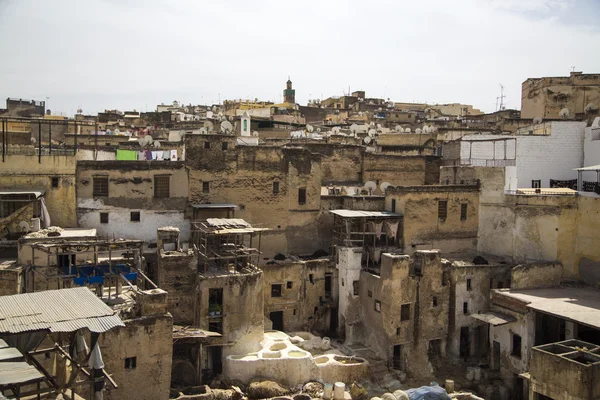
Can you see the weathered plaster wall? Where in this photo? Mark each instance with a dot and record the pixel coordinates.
(524, 326)
(587, 251)
(483, 278)
(339, 162)
(149, 339)
(305, 305)
(536, 275)
(422, 229)
(177, 274)
(242, 326)
(24, 172)
(546, 97)
(395, 286)
(245, 176)
(131, 188)
(401, 170)
(349, 305)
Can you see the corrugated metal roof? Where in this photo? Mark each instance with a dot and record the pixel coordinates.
(63, 310)
(18, 372)
(227, 222)
(365, 214)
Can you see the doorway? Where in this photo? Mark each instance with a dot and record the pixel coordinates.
(397, 357)
(216, 355)
(464, 342)
(328, 285)
(276, 318)
(333, 322)
(496, 356)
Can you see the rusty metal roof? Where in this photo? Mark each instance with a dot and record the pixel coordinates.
(63, 310)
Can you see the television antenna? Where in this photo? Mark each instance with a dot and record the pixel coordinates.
(500, 99)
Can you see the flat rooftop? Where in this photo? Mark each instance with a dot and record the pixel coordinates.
(581, 305)
(64, 233)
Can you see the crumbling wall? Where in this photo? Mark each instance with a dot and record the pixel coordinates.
(10, 278)
(424, 229)
(401, 283)
(246, 176)
(399, 170)
(149, 340)
(242, 326)
(339, 163)
(472, 284)
(536, 275)
(304, 301)
(24, 172)
(177, 273)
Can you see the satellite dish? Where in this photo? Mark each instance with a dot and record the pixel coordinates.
(354, 128)
(24, 227)
(564, 113)
(226, 127)
(255, 133)
(157, 144)
(398, 128)
(367, 139)
(203, 131)
(309, 128)
(378, 126)
(318, 129)
(384, 186)
(590, 108)
(335, 129)
(372, 132)
(407, 130)
(148, 139)
(209, 126)
(33, 140)
(117, 131)
(141, 141)
(370, 186)
(418, 130)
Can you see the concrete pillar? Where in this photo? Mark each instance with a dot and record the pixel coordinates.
(570, 330)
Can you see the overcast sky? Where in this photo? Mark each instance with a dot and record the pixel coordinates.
(128, 54)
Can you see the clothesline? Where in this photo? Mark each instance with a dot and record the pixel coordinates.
(148, 155)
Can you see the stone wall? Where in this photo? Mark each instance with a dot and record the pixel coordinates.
(177, 274)
(23, 172)
(303, 300)
(246, 176)
(472, 284)
(536, 275)
(242, 326)
(382, 297)
(149, 340)
(422, 226)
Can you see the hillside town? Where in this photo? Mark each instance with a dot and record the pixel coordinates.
(352, 247)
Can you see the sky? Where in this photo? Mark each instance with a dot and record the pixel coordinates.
(135, 54)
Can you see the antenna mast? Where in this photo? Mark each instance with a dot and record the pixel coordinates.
(500, 99)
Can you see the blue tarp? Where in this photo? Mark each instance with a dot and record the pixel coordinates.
(428, 393)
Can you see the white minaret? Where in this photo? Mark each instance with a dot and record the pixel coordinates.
(245, 125)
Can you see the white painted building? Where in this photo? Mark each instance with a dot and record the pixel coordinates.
(540, 153)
